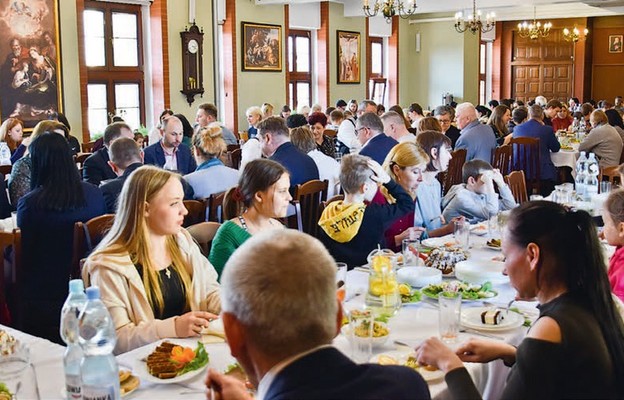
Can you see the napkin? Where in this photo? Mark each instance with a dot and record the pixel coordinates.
(213, 333)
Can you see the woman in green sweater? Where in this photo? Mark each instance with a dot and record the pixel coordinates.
(253, 206)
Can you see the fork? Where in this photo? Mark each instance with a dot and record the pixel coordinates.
(508, 306)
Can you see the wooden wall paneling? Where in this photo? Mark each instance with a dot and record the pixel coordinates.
(608, 68)
(322, 45)
(230, 84)
(506, 59)
(393, 63)
(496, 62)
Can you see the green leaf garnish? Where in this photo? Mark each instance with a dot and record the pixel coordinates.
(201, 359)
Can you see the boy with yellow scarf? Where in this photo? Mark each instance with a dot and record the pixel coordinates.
(352, 228)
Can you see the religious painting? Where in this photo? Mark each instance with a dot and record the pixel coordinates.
(262, 47)
(30, 74)
(615, 43)
(348, 57)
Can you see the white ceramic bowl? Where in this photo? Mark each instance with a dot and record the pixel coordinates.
(479, 271)
(377, 341)
(419, 276)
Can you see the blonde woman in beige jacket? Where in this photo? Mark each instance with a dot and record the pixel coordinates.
(152, 277)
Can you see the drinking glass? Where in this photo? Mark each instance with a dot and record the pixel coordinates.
(361, 335)
(15, 371)
(449, 312)
(462, 233)
(341, 280)
(244, 136)
(410, 252)
(605, 187)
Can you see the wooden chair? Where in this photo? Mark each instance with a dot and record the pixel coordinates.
(87, 236)
(308, 198)
(215, 207)
(232, 147)
(453, 175)
(332, 133)
(501, 158)
(526, 157)
(517, 184)
(80, 159)
(9, 289)
(5, 170)
(87, 147)
(196, 212)
(203, 233)
(235, 158)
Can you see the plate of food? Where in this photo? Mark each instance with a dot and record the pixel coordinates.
(445, 258)
(479, 229)
(494, 244)
(380, 333)
(409, 295)
(172, 363)
(428, 372)
(469, 292)
(490, 319)
(443, 241)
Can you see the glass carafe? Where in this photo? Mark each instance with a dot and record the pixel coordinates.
(383, 289)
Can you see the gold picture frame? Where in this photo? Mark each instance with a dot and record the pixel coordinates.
(262, 47)
(615, 43)
(349, 57)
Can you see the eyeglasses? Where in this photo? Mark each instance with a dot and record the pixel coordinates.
(444, 121)
(357, 130)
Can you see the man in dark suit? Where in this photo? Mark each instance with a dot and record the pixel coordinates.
(283, 339)
(96, 168)
(274, 138)
(370, 133)
(535, 128)
(170, 153)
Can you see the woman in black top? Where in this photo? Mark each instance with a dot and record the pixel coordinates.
(498, 121)
(576, 347)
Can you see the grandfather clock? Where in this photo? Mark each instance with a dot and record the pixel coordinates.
(192, 71)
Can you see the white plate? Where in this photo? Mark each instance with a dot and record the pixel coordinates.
(419, 276)
(440, 241)
(471, 318)
(140, 369)
(479, 229)
(400, 357)
(479, 271)
(495, 248)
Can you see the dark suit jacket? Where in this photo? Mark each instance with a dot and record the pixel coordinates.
(96, 169)
(301, 167)
(378, 147)
(453, 134)
(155, 155)
(548, 143)
(329, 374)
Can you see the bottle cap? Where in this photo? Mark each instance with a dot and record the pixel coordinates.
(76, 286)
(93, 293)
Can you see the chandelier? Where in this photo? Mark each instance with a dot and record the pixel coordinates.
(389, 8)
(473, 22)
(574, 35)
(535, 29)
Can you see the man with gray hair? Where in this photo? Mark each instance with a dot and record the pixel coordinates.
(346, 131)
(96, 168)
(394, 126)
(535, 128)
(370, 133)
(445, 116)
(282, 336)
(479, 140)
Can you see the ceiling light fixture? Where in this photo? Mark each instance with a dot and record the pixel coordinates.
(574, 35)
(473, 22)
(389, 8)
(535, 29)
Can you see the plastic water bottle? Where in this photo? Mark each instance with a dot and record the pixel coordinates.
(5, 154)
(98, 369)
(75, 303)
(581, 173)
(591, 179)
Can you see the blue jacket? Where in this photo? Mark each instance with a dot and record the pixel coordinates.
(328, 374)
(301, 167)
(96, 169)
(378, 147)
(155, 155)
(478, 140)
(548, 143)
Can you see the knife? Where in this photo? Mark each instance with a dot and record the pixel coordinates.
(479, 333)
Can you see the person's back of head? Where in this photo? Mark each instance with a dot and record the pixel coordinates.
(336, 117)
(493, 104)
(372, 121)
(267, 110)
(614, 117)
(429, 124)
(366, 106)
(541, 101)
(303, 139)
(209, 143)
(296, 120)
(354, 172)
(299, 310)
(187, 128)
(60, 117)
(586, 109)
(416, 108)
(391, 117)
(474, 169)
(276, 126)
(519, 115)
(54, 171)
(329, 110)
(125, 152)
(536, 112)
(114, 131)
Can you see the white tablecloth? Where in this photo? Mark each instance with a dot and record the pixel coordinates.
(566, 158)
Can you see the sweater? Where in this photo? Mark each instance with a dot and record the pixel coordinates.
(616, 272)
(123, 293)
(606, 143)
(228, 238)
(476, 207)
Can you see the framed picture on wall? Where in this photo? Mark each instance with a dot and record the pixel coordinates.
(30, 74)
(262, 47)
(615, 43)
(349, 56)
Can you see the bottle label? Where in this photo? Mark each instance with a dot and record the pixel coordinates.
(72, 387)
(98, 392)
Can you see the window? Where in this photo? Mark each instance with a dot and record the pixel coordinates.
(299, 68)
(485, 71)
(114, 61)
(377, 81)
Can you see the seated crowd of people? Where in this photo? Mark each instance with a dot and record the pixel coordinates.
(386, 168)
